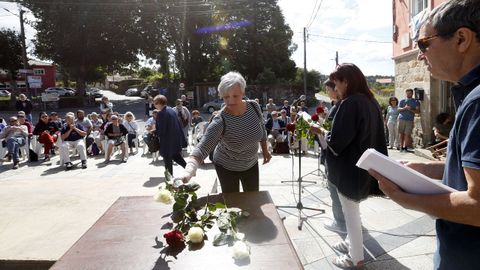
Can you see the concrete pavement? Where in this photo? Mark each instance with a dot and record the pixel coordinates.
(45, 209)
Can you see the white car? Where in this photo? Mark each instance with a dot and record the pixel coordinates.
(132, 92)
(4, 94)
(60, 91)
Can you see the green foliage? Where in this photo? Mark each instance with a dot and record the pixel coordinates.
(313, 79)
(84, 37)
(10, 51)
(185, 214)
(146, 72)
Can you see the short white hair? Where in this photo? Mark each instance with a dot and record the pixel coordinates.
(70, 115)
(229, 80)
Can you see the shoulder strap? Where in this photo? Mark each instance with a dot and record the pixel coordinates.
(257, 109)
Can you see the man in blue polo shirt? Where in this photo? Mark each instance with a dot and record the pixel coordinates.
(449, 45)
(407, 107)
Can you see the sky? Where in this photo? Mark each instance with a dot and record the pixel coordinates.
(336, 20)
(360, 30)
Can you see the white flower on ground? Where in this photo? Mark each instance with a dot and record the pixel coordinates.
(163, 196)
(240, 250)
(195, 235)
(239, 236)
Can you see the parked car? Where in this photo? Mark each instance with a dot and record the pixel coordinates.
(60, 91)
(149, 91)
(95, 92)
(132, 92)
(215, 105)
(71, 89)
(212, 106)
(5, 94)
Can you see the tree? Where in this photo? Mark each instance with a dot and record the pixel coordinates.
(264, 42)
(85, 37)
(10, 51)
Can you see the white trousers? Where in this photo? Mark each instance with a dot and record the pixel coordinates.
(78, 144)
(353, 222)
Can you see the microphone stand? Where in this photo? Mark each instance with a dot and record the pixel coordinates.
(300, 180)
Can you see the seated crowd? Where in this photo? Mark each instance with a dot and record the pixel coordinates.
(89, 135)
(99, 134)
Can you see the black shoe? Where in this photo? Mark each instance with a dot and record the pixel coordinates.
(15, 165)
(46, 158)
(84, 164)
(68, 166)
(52, 152)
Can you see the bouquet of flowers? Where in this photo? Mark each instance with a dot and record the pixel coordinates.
(192, 222)
(304, 122)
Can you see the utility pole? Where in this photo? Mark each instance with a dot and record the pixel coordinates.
(305, 61)
(336, 59)
(24, 51)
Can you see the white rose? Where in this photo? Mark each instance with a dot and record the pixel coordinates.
(163, 196)
(195, 235)
(239, 236)
(240, 250)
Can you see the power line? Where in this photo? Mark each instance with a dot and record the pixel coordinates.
(311, 15)
(352, 39)
(319, 6)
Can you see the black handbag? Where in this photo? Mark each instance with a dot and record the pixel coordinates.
(118, 141)
(32, 155)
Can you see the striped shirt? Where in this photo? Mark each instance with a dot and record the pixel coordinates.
(235, 139)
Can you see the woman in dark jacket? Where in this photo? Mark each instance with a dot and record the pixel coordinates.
(25, 105)
(357, 126)
(170, 134)
(47, 132)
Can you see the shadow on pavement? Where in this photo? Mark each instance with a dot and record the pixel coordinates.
(154, 181)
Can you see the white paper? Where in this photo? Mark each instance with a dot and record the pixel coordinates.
(408, 179)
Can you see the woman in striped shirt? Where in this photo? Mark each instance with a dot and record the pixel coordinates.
(234, 134)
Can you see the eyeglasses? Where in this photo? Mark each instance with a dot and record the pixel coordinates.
(424, 43)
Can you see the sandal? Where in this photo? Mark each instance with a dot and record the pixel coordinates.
(345, 262)
(341, 247)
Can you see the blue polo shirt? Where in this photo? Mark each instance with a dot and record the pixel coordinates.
(459, 244)
(408, 115)
(74, 136)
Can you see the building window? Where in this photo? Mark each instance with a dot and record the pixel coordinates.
(39, 71)
(418, 6)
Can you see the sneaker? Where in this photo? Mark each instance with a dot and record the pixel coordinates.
(46, 158)
(84, 164)
(409, 150)
(334, 227)
(15, 165)
(345, 262)
(52, 152)
(341, 247)
(68, 166)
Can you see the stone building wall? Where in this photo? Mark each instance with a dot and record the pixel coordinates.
(411, 73)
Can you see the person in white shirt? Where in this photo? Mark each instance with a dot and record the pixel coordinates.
(132, 128)
(16, 136)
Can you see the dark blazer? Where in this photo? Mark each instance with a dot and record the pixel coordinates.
(25, 106)
(169, 132)
(357, 126)
(40, 127)
(109, 130)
